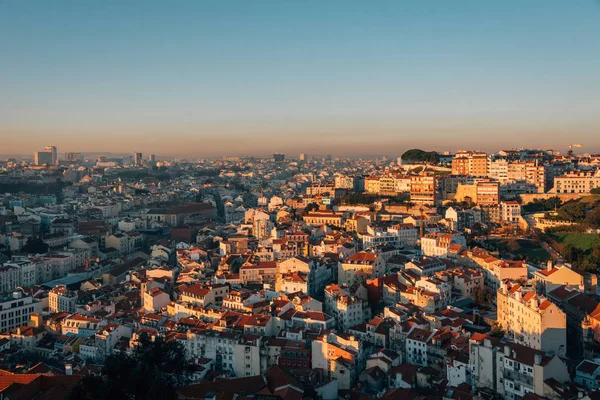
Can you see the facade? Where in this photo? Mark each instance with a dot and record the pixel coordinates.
(43, 158)
(472, 163)
(16, 310)
(510, 211)
(359, 267)
(531, 320)
(577, 182)
(60, 299)
(424, 190)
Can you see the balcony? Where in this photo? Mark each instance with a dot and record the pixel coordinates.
(518, 377)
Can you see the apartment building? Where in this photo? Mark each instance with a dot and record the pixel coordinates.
(81, 325)
(531, 172)
(16, 309)
(438, 244)
(339, 357)
(578, 182)
(424, 190)
(426, 266)
(512, 370)
(359, 267)
(510, 211)
(324, 217)
(472, 163)
(62, 299)
(483, 192)
(348, 309)
(263, 272)
(531, 320)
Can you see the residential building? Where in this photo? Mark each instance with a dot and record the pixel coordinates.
(60, 299)
(531, 320)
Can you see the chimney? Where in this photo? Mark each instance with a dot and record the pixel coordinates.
(549, 266)
(68, 369)
(537, 359)
(507, 350)
(514, 354)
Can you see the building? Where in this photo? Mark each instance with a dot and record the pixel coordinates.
(73, 157)
(512, 370)
(325, 217)
(531, 320)
(60, 299)
(16, 309)
(531, 172)
(138, 159)
(347, 309)
(438, 244)
(482, 192)
(339, 357)
(583, 321)
(53, 152)
(278, 157)
(472, 163)
(42, 158)
(263, 272)
(510, 211)
(359, 267)
(552, 277)
(424, 190)
(81, 325)
(155, 299)
(577, 182)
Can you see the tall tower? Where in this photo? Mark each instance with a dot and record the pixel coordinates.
(137, 158)
(52, 149)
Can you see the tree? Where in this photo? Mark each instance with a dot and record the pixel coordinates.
(35, 246)
(593, 217)
(595, 190)
(572, 211)
(482, 296)
(152, 371)
(311, 207)
(513, 245)
(418, 155)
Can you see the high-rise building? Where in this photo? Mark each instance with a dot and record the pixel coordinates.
(302, 157)
(152, 159)
(42, 158)
(137, 158)
(73, 157)
(277, 157)
(52, 150)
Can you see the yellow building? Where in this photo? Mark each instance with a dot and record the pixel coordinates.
(531, 320)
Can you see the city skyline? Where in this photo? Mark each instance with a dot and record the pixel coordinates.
(201, 79)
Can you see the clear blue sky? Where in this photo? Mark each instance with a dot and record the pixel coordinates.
(207, 77)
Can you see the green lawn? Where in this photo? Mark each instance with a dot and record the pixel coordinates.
(582, 241)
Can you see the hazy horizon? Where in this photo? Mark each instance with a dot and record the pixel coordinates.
(204, 79)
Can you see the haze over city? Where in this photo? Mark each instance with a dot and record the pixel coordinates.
(194, 78)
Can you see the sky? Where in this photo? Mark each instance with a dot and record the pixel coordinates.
(218, 77)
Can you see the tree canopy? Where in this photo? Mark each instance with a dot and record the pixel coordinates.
(418, 155)
(152, 371)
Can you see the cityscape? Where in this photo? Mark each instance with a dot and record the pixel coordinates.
(278, 200)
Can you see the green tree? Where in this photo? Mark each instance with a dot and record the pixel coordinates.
(572, 211)
(311, 207)
(152, 371)
(593, 217)
(595, 190)
(418, 155)
(35, 246)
